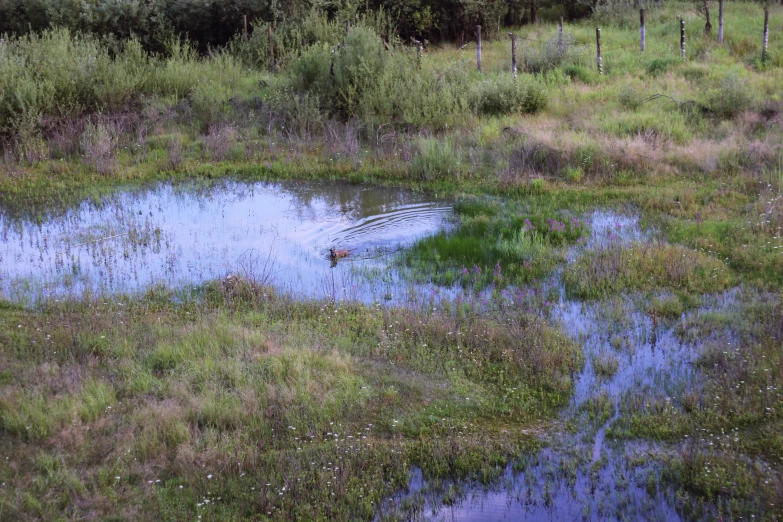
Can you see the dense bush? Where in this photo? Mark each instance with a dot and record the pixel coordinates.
(360, 78)
(555, 53)
(341, 76)
(211, 23)
(290, 39)
(505, 95)
(731, 98)
(153, 22)
(57, 74)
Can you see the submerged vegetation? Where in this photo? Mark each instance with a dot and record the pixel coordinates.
(235, 401)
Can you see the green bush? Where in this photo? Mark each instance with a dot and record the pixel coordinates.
(341, 77)
(405, 95)
(436, 159)
(63, 75)
(580, 73)
(660, 66)
(506, 95)
(362, 79)
(555, 53)
(731, 98)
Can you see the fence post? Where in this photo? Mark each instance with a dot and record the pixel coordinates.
(720, 21)
(765, 45)
(513, 54)
(478, 48)
(598, 59)
(244, 22)
(682, 39)
(418, 52)
(347, 27)
(560, 38)
(271, 36)
(642, 30)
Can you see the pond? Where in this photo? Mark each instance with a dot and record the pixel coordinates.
(178, 235)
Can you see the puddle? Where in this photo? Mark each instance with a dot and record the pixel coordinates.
(278, 233)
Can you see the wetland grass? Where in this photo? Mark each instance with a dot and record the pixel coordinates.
(255, 402)
(726, 425)
(644, 266)
(238, 403)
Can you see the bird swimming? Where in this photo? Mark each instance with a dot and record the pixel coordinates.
(337, 254)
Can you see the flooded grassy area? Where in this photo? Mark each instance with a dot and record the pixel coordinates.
(556, 363)
(555, 295)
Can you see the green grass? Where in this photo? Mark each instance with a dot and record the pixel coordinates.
(252, 390)
(620, 268)
(495, 243)
(241, 388)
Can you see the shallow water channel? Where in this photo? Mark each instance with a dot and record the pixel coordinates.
(180, 235)
(581, 475)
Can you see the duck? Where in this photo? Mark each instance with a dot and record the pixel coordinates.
(337, 254)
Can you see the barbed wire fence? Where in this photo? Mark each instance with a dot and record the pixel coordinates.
(563, 42)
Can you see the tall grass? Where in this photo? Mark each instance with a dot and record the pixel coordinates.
(62, 75)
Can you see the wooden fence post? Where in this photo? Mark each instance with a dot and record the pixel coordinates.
(642, 30)
(598, 59)
(347, 27)
(561, 38)
(244, 22)
(682, 39)
(720, 21)
(271, 36)
(419, 48)
(765, 45)
(478, 48)
(513, 54)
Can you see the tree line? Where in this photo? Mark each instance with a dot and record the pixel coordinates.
(213, 23)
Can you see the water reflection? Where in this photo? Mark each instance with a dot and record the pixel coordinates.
(182, 235)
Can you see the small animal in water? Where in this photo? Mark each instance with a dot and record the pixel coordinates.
(337, 254)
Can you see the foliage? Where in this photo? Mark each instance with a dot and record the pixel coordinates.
(507, 95)
(640, 266)
(58, 74)
(731, 97)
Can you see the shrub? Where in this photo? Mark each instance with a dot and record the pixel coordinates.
(580, 73)
(659, 66)
(99, 148)
(340, 77)
(63, 75)
(436, 159)
(506, 94)
(554, 54)
(405, 95)
(731, 98)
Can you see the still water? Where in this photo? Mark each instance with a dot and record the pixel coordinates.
(179, 235)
